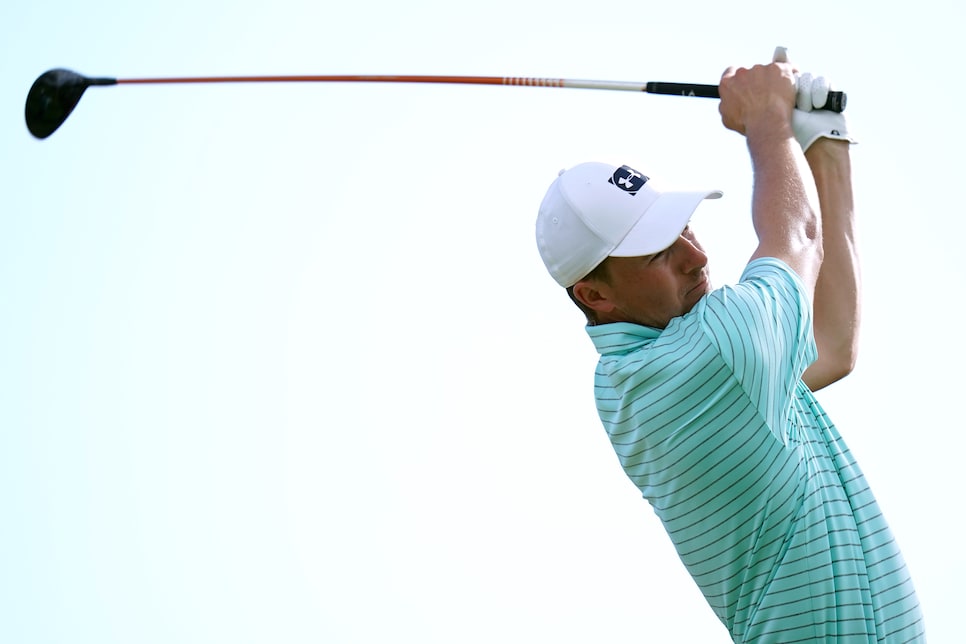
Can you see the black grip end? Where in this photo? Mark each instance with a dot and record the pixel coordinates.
(835, 102)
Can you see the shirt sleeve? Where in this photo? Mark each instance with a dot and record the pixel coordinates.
(763, 329)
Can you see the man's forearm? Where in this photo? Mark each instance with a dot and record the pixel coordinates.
(837, 291)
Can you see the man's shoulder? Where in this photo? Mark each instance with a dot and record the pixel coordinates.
(770, 268)
(767, 291)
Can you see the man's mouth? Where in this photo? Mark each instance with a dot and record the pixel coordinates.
(701, 285)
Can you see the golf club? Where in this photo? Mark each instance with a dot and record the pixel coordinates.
(56, 92)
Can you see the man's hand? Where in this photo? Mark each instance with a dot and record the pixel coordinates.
(811, 124)
(758, 100)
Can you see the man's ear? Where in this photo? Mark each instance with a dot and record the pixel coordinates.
(594, 295)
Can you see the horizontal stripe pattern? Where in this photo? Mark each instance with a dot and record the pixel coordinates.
(757, 490)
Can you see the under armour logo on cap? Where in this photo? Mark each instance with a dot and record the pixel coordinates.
(628, 179)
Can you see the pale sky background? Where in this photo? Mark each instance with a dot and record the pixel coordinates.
(280, 363)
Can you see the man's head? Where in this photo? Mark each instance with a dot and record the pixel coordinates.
(620, 246)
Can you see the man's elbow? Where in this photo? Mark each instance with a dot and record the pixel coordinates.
(831, 368)
(843, 366)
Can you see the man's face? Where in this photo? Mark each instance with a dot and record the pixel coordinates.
(653, 289)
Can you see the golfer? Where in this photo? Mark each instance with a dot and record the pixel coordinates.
(707, 394)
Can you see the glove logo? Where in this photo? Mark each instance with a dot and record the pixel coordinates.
(628, 179)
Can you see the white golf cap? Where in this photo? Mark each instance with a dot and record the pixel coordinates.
(595, 210)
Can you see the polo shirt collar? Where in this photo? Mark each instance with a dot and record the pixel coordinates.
(621, 337)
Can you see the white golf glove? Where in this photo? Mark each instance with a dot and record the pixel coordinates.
(809, 122)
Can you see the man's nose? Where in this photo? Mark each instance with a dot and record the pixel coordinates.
(692, 256)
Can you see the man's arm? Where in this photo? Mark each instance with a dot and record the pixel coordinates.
(836, 302)
(758, 103)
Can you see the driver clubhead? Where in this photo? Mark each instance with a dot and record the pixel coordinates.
(52, 98)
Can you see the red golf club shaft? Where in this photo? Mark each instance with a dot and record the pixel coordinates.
(376, 78)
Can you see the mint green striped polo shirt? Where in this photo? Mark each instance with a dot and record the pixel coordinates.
(760, 495)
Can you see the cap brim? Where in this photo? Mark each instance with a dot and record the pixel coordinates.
(662, 223)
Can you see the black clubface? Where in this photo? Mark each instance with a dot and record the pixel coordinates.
(53, 97)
